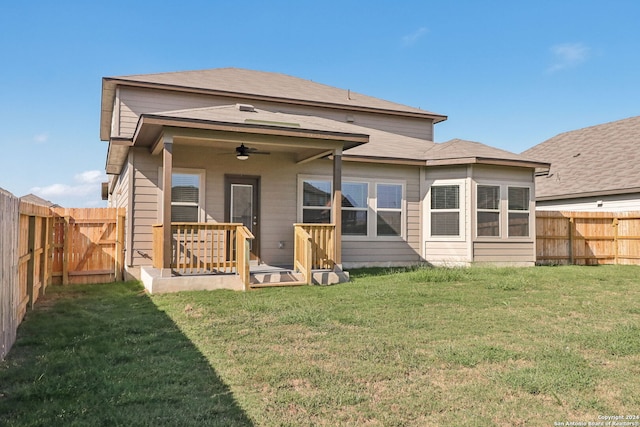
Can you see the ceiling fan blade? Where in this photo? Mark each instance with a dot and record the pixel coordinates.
(243, 150)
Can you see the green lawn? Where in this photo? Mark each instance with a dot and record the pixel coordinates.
(479, 346)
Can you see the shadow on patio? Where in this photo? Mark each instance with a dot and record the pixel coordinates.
(105, 355)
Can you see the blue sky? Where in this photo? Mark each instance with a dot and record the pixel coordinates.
(510, 74)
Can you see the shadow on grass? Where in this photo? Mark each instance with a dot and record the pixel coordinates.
(105, 355)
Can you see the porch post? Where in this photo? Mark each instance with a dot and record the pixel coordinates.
(337, 203)
(167, 170)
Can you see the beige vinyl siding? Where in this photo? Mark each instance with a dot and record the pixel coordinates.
(133, 102)
(446, 253)
(504, 250)
(441, 251)
(507, 174)
(145, 205)
(504, 253)
(120, 199)
(374, 251)
(120, 195)
(278, 184)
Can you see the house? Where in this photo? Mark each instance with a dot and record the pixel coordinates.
(257, 163)
(592, 169)
(37, 200)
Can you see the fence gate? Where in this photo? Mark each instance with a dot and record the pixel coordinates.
(87, 245)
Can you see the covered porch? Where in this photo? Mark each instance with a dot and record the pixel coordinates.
(206, 256)
(224, 245)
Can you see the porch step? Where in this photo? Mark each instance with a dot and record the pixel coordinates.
(276, 278)
(291, 278)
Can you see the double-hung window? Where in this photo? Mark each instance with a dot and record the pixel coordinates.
(316, 201)
(488, 210)
(518, 211)
(389, 209)
(186, 197)
(445, 210)
(355, 208)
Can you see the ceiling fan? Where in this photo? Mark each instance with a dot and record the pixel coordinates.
(243, 152)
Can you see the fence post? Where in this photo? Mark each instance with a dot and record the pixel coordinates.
(45, 264)
(614, 224)
(571, 227)
(31, 263)
(119, 255)
(65, 251)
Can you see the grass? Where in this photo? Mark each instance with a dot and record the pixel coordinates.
(479, 346)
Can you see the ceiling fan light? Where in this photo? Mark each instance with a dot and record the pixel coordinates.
(241, 152)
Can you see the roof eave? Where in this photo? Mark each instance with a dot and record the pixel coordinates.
(385, 160)
(106, 108)
(488, 161)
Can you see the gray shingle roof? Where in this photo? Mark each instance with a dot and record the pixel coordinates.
(273, 85)
(381, 144)
(461, 149)
(602, 159)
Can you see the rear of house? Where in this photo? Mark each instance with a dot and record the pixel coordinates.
(267, 151)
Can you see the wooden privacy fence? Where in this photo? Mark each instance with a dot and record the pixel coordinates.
(87, 245)
(40, 246)
(588, 238)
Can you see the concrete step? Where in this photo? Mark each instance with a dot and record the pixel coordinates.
(292, 278)
(283, 276)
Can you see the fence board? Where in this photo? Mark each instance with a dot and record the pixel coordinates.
(588, 238)
(9, 217)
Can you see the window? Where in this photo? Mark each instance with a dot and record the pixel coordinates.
(369, 209)
(389, 209)
(185, 197)
(316, 201)
(355, 206)
(518, 211)
(512, 213)
(445, 210)
(488, 210)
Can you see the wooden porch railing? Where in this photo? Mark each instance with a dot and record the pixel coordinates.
(243, 254)
(320, 252)
(302, 252)
(200, 248)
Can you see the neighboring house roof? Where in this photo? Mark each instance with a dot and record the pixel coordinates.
(596, 160)
(36, 200)
(250, 84)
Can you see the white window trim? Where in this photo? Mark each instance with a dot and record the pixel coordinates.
(462, 209)
(201, 194)
(528, 211)
(403, 209)
(500, 210)
(372, 202)
(301, 179)
(368, 209)
(504, 211)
